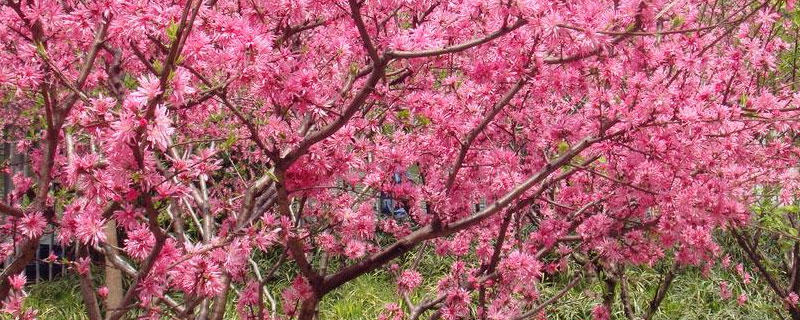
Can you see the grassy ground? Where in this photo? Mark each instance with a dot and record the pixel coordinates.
(691, 297)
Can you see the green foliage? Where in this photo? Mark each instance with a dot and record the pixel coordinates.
(362, 298)
(692, 296)
(57, 300)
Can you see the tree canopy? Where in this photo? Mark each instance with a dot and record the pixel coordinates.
(518, 137)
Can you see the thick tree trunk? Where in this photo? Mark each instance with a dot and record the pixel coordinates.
(218, 308)
(308, 308)
(25, 254)
(113, 275)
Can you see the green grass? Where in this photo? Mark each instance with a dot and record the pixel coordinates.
(362, 298)
(691, 296)
(60, 300)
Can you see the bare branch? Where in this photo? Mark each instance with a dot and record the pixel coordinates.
(10, 211)
(399, 54)
(473, 134)
(533, 312)
(355, 12)
(429, 232)
(661, 292)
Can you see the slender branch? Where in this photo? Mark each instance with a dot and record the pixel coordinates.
(349, 111)
(425, 305)
(88, 64)
(473, 134)
(624, 297)
(755, 257)
(355, 12)
(399, 54)
(429, 232)
(10, 211)
(122, 265)
(661, 292)
(247, 123)
(87, 290)
(533, 312)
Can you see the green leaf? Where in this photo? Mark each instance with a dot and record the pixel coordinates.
(158, 66)
(563, 146)
(172, 31)
(228, 143)
(271, 174)
(41, 50)
(422, 120)
(677, 22)
(404, 114)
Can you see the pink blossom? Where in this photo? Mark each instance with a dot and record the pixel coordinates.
(102, 292)
(724, 291)
(355, 249)
(742, 299)
(600, 312)
(51, 258)
(514, 134)
(248, 298)
(139, 243)
(17, 281)
(408, 280)
(32, 224)
(160, 130)
(90, 229)
(792, 299)
(391, 311)
(83, 265)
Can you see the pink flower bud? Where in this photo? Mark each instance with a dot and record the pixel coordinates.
(103, 292)
(17, 281)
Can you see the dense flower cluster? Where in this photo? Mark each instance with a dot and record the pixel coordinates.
(222, 136)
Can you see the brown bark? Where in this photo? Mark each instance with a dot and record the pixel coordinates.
(88, 291)
(308, 308)
(113, 275)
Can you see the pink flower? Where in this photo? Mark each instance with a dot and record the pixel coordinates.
(742, 299)
(83, 265)
(17, 281)
(792, 299)
(13, 305)
(32, 224)
(408, 280)
(520, 267)
(724, 291)
(139, 243)
(90, 228)
(392, 311)
(247, 299)
(102, 292)
(160, 130)
(210, 283)
(355, 249)
(149, 87)
(600, 312)
(292, 295)
(51, 258)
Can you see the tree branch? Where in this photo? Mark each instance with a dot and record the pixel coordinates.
(473, 134)
(428, 232)
(355, 12)
(11, 211)
(399, 54)
(533, 312)
(661, 292)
